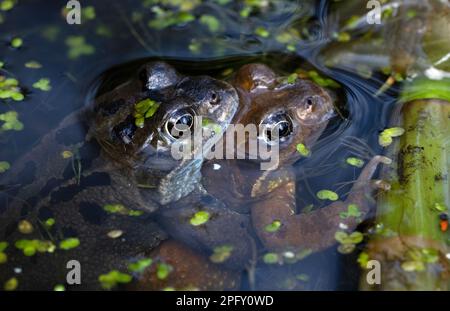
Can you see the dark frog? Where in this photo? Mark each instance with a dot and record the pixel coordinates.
(89, 180)
(249, 206)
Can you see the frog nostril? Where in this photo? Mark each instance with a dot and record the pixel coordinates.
(214, 100)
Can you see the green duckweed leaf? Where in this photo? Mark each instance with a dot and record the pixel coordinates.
(59, 288)
(43, 85)
(303, 150)
(221, 253)
(4, 166)
(437, 206)
(3, 258)
(113, 278)
(199, 218)
(262, 32)
(270, 258)
(352, 211)
(327, 195)
(273, 227)
(16, 43)
(163, 270)
(210, 21)
(7, 5)
(78, 47)
(140, 265)
(355, 162)
(69, 243)
(33, 65)
(11, 284)
(3, 246)
(385, 137)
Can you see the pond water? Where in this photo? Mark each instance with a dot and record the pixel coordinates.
(115, 37)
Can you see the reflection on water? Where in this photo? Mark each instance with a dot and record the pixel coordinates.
(103, 52)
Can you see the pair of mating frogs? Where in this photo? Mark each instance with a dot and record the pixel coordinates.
(107, 177)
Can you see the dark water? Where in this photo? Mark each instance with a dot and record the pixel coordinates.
(129, 41)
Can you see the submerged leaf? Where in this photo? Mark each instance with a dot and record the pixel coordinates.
(199, 218)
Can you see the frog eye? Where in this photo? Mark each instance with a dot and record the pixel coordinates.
(179, 122)
(214, 98)
(276, 127)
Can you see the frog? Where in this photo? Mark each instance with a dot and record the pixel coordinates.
(100, 174)
(245, 200)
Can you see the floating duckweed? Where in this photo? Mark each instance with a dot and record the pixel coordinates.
(43, 85)
(4, 166)
(163, 270)
(199, 218)
(245, 12)
(114, 234)
(9, 88)
(7, 5)
(16, 43)
(303, 254)
(221, 253)
(11, 284)
(195, 46)
(346, 248)
(169, 289)
(262, 32)
(103, 31)
(30, 247)
(33, 65)
(437, 206)
(324, 82)
(25, 227)
(210, 21)
(303, 150)
(112, 278)
(164, 19)
(2, 64)
(327, 195)
(144, 109)
(292, 78)
(120, 209)
(88, 13)
(411, 266)
(3, 246)
(363, 259)
(59, 288)
(355, 162)
(10, 121)
(69, 243)
(270, 258)
(344, 238)
(78, 47)
(343, 37)
(385, 138)
(49, 222)
(214, 127)
(352, 211)
(352, 22)
(302, 277)
(66, 154)
(3, 258)
(140, 265)
(273, 227)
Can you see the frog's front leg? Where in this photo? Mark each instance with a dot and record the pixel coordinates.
(279, 228)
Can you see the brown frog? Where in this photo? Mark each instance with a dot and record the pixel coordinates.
(100, 166)
(252, 199)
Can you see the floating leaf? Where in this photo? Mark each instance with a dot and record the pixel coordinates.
(355, 162)
(327, 195)
(385, 137)
(210, 21)
(7, 5)
(199, 218)
(121, 210)
(346, 248)
(437, 206)
(25, 227)
(270, 258)
(273, 227)
(112, 278)
(262, 32)
(30, 247)
(33, 65)
(344, 238)
(303, 150)
(114, 234)
(11, 284)
(140, 265)
(49, 222)
(3, 258)
(10, 121)
(363, 259)
(59, 288)
(164, 19)
(221, 253)
(163, 270)
(411, 266)
(144, 109)
(352, 211)
(16, 43)
(69, 243)
(302, 277)
(43, 85)
(66, 154)
(292, 78)
(78, 47)
(88, 13)
(9, 88)
(3, 246)
(4, 166)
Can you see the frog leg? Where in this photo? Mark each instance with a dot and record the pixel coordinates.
(314, 230)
